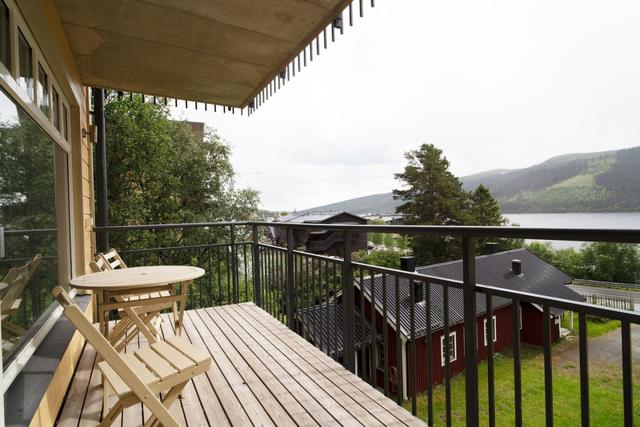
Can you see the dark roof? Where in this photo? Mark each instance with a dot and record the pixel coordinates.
(538, 277)
(456, 309)
(314, 217)
(323, 323)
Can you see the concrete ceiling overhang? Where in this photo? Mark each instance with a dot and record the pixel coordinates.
(213, 51)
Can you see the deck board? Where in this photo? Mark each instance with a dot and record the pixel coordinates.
(262, 374)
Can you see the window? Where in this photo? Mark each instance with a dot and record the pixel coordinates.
(452, 348)
(55, 107)
(520, 316)
(29, 165)
(494, 329)
(5, 36)
(43, 90)
(65, 122)
(25, 62)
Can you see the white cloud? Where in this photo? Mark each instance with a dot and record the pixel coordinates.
(497, 84)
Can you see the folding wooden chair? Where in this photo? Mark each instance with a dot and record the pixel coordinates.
(16, 279)
(126, 329)
(138, 377)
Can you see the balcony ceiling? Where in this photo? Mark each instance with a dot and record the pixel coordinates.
(215, 51)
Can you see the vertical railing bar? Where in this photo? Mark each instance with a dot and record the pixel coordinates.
(548, 379)
(490, 364)
(447, 355)
(362, 370)
(627, 374)
(234, 264)
(328, 331)
(219, 285)
(313, 300)
(517, 380)
(228, 261)
(348, 302)
(372, 354)
(427, 304)
(335, 312)
(584, 369)
(321, 337)
(413, 381)
(399, 361)
(246, 273)
(290, 302)
(256, 266)
(385, 335)
(470, 331)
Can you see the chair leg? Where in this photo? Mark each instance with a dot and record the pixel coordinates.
(111, 416)
(173, 393)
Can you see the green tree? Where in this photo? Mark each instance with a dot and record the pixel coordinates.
(483, 208)
(431, 195)
(382, 258)
(612, 262)
(389, 240)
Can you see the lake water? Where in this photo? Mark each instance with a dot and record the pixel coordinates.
(628, 220)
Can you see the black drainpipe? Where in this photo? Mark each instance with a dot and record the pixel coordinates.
(102, 214)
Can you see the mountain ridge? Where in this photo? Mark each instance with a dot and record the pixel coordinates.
(604, 181)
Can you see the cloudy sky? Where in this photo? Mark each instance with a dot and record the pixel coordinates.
(494, 84)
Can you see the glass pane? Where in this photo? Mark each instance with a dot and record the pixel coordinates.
(43, 90)
(65, 122)
(28, 215)
(5, 36)
(25, 57)
(55, 107)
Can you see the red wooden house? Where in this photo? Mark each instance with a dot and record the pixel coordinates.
(516, 270)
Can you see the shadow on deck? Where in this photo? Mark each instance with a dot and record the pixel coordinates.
(263, 374)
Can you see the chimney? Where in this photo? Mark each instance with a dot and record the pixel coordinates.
(491, 248)
(516, 267)
(408, 263)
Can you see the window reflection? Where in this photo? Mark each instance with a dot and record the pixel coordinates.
(27, 212)
(25, 62)
(43, 90)
(5, 36)
(55, 107)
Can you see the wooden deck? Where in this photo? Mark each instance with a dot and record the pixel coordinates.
(262, 374)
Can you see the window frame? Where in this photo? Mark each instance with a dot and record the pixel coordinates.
(61, 139)
(495, 330)
(453, 342)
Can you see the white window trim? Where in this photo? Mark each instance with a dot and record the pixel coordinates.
(18, 92)
(452, 339)
(495, 330)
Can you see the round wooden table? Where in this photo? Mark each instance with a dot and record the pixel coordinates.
(122, 284)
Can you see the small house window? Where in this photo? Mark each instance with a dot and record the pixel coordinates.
(452, 348)
(520, 316)
(5, 36)
(25, 62)
(43, 90)
(493, 326)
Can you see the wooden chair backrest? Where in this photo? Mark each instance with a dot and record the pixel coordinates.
(107, 261)
(112, 357)
(17, 279)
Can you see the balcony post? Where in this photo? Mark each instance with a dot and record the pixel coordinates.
(102, 214)
(256, 267)
(470, 338)
(234, 263)
(291, 299)
(348, 298)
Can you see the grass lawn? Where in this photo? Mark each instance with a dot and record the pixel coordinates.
(605, 393)
(595, 328)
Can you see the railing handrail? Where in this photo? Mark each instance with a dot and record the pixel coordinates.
(568, 234)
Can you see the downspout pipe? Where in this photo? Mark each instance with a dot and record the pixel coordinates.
(102, 212)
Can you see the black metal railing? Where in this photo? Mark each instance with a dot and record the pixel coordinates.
(404, 332)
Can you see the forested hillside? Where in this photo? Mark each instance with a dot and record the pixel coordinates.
(589, 182)
(593, 182)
